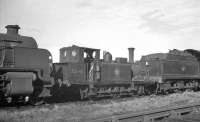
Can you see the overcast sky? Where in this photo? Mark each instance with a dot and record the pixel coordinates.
(113, 25)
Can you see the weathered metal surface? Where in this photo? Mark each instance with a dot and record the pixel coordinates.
(131, 55)
(22, 52)
(76, 54)
(175, 65)
(114, 72)
(20, 57)
(20, 83)
(180, 68)
(121, 60)
(74, 73)
(12, 38)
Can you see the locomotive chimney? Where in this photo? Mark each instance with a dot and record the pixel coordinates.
(131, 55)
(12, 29)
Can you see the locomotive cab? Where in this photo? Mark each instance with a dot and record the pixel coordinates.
(75, 54)
(75, 63)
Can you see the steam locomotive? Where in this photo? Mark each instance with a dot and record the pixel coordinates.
(24, 68)
(27, 72)
(85, 74)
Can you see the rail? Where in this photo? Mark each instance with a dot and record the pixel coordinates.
(155, 115)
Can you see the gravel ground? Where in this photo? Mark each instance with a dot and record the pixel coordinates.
(78, 112)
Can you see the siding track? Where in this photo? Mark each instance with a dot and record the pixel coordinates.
(181, 113)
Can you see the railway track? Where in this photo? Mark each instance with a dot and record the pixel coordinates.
(185, 107)
(181, 113)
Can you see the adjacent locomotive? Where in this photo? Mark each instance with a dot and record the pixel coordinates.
(24, 68)
(176, 70)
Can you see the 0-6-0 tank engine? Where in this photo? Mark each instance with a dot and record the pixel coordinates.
(86, 75)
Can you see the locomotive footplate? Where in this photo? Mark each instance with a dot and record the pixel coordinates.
(103, 91)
